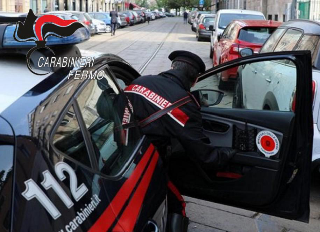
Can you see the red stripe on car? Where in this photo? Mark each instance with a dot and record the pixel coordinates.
(129, 217)
(109, 215)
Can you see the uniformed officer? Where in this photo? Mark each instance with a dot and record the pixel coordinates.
(149, 94)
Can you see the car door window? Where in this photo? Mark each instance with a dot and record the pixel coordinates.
(69, 139)
(226, 32)
(288, 40)
(104, 111)
(267, 85)
(272, 41)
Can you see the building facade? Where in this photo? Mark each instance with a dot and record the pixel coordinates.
(278, 10)
(39, 6)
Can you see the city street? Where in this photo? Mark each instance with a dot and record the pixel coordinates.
(146, 48)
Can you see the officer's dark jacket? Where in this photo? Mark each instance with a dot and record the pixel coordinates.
(148, 94)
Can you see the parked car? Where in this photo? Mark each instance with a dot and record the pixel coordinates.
(293, 35)
(62, 15)
(191, 16)
(127, 17)
(124, 20)
(100, 26)
(196, 19)
(224, 17)
(104, 17)
(153, 16)
(240, 34)
(162, 15)
(169, 14)
(137, 17)
(156, 13)
(82, 17)
(133, 19)
(67, 156)
(202, 30)
(142, 15)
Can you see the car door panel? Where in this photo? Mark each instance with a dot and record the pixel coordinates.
(277, 184)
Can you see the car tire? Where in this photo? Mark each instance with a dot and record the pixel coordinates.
(199, 38)
(237, 97)
(211, 53)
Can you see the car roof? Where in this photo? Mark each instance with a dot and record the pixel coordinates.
(308, 26)
(257, 23)
(208, 16)
(240, 12)
(24, 80)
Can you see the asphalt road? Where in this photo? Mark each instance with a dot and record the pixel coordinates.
(146, 47)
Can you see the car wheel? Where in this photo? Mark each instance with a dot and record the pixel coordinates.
(197, 35)
(237, 97)
(199, 38)
(211, 53)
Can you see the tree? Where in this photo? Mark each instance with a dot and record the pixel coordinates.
(142, 3)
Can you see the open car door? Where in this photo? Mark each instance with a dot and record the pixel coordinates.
(267, 117)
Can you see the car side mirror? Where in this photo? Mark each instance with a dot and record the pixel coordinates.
(211, 28)
(246, 52)
(219, 37)
(208, 97)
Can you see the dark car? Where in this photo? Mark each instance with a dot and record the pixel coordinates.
(132, 17)
(84, 18)
(69, 161)
(202, 30)
(169, 14)
(197, 18)
(123, 20)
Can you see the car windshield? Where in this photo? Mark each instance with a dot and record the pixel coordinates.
(225, 19)
(208, 20)
(257, 35)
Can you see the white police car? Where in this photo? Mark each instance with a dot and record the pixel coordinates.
(68, 163)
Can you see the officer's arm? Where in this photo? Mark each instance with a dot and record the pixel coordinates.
(197, 144)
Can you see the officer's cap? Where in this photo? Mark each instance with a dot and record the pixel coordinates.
(189, 58)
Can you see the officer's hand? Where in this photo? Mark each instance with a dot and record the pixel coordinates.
(225, 154)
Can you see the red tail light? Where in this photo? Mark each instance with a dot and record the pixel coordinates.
(293, 102)
(87, 22)
(201, 26)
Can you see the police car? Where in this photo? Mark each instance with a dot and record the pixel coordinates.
(268, 91)
(68, 163)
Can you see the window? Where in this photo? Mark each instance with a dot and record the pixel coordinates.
(276, 17)
(269, 17)
(288, 41)
(264, 85)
(272, 41)
(256, 35)
(225, 19)
(69, 140)
(104, 112)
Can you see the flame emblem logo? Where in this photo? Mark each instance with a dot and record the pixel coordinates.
(39, 29)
